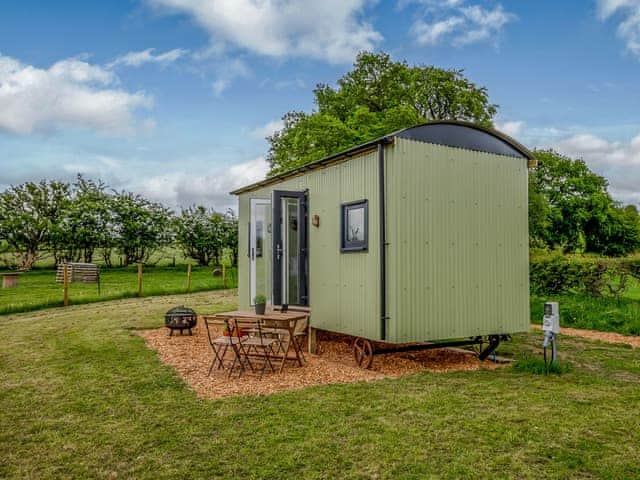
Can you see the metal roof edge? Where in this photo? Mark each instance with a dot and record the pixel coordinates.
(491, 131)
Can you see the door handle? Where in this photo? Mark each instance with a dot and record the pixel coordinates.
(278, 251)
(253, 254)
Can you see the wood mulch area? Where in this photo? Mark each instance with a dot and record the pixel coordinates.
(608, 337)
(192, 355)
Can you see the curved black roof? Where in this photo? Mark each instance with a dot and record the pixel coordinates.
(451, 133)
(466, 135)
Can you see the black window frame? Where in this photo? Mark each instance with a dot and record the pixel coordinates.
(350, 247)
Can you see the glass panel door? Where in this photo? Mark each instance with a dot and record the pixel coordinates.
(291, 255)
(290, 266)
(260, 249)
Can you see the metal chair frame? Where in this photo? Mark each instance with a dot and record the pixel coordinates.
(298, 337)
(247, 339)
(260, 343)
(220, 346)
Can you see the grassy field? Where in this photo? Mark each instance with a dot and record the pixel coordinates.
(82, 397)
(37, 289)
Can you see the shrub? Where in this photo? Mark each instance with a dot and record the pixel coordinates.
(536, 365)
(553, 274)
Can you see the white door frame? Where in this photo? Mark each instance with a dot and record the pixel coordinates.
(252, 245)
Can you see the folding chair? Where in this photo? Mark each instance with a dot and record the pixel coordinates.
(220, 345)
(300, 336)
(302, 328)
(260, 343)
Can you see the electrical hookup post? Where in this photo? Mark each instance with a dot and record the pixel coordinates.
(551, 329)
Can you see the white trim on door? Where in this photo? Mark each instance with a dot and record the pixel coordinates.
(252, 246)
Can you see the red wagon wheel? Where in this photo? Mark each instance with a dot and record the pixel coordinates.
(363, 352)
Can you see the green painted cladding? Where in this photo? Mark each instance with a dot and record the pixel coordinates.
(457, 244)
(343, 287)
(457, 232)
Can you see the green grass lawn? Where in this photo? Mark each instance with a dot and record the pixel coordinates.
(82, 397)
(38, 289)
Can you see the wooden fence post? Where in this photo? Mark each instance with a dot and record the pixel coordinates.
(139, 279)
(65, 284)
(188, 278)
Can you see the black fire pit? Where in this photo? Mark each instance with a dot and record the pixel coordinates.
(180, 318)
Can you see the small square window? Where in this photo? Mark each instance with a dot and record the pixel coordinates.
(354, 226)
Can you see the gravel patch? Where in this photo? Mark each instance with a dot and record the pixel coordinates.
(608, 337)
(192, 355)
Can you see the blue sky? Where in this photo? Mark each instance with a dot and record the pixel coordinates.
(172, 98)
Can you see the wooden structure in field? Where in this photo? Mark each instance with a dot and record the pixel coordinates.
(79, 273)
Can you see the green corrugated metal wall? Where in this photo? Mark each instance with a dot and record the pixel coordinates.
(457, 254)
(457, 231)
(343, 287)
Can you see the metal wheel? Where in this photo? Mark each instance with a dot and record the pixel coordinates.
(363, 352)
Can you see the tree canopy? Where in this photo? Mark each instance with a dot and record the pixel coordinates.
(73, 222)
(28, 214)
(203, 234)
(569, 206)
(83, 226)
(378, 96)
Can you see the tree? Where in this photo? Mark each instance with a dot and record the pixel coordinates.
(539, 216)
(378, 96)
(139, 226)
(203, 234)
(28, 214)
(199, 233)
(618, 234)
(84, 226)
(230, 235)
(307, 138)
(571, 207)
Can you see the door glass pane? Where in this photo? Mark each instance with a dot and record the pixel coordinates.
(262, 250)
(291, 264)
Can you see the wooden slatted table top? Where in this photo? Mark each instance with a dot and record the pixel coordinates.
(268, 315)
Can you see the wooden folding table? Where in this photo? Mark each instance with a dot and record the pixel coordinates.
(274, 320)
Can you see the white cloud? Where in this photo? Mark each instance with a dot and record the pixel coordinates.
(331, 30)
(606, 8)
(136, 59)
(220, 85)
(512, 128)
(212, 189)
(618, 162)
(431, 3)
(267, 130)
(433, 33)
(454, 22)
(629, 27)
(71, 93)
(291, 83)
(96, 165)
(228, 71)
